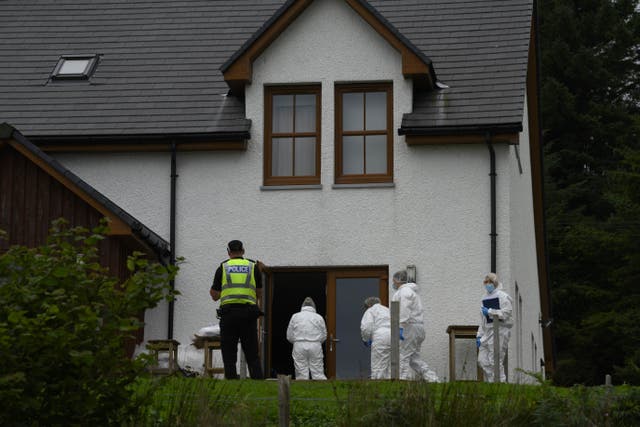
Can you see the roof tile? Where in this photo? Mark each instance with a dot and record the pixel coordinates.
(160, 60)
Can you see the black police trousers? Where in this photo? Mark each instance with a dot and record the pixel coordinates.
(239, 322)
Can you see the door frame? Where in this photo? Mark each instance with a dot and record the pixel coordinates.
(382, 273)
(266, 345)
(332, 273)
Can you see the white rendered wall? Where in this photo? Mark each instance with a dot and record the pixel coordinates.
(523, 257)
(437, 216)
(140, 184)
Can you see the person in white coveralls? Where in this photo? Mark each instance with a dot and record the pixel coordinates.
(375, 329)
(307, 331)
(412, 332)
(495, 301)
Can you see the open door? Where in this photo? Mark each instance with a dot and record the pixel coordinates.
(287, 290)
(346, 356)
(338, 294)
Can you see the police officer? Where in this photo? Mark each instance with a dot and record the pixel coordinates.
(238, 285)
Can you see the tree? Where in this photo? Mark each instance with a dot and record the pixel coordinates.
(63, 325)
(590, 80)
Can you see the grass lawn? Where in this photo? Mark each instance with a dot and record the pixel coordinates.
(179, 401)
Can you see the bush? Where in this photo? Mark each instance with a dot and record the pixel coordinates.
(63, 325)
(588, 406)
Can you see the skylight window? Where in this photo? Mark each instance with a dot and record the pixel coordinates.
(75, 67)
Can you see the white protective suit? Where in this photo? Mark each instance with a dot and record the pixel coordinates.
(504, 309)
(375, 326)
(412, 323)
(307, 331)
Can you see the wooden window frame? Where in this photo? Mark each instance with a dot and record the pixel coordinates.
(341, 89)
(269, 92)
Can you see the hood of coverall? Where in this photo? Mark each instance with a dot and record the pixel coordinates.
(412, 286)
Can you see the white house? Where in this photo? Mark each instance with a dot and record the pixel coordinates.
(340, 140)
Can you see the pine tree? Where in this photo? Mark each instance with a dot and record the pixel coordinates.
(590, 74)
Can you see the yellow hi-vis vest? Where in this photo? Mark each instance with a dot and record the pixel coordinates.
(238, 283)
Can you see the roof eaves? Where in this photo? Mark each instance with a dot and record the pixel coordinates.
(460, 130)
(186, 137)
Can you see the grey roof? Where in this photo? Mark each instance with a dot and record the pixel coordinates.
(364, 3)
(479, 48)
(156, 243)
(160, 61)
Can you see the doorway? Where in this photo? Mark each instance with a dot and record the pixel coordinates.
(338, 294)
(288, 289)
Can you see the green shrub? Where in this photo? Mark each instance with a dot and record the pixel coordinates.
(588, 406)
(63, 325)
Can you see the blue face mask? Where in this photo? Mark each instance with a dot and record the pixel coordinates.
(490, 287)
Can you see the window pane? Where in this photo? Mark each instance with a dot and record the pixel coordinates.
(305, 157)
(73, 66)
(352, 155)
(282, 113)
(376, 110)
(353, 111)
(376, 154)
(306, 113)
(281, 157)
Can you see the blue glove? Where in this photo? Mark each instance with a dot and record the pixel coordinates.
(478, 342)
(367, 343)
(401, 336)
(485, 311)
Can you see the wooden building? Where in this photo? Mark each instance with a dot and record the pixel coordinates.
(35, 190)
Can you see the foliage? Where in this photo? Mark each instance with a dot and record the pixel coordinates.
(208, 402)
(177, 401)
(590, 89)
(63, 325)
(588, 406)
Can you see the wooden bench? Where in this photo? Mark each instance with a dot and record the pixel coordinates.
(164, 346)
(211, 344)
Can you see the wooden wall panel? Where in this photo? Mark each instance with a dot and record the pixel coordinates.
(30, 199)
(6, 174)
(55, 200)
(17, 226)
(30, 203)
(42, 205)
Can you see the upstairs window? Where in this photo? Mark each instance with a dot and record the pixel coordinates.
(75, 67)
(364, 137)
(292, 135)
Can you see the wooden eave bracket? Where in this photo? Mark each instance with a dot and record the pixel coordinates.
(240, 72)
